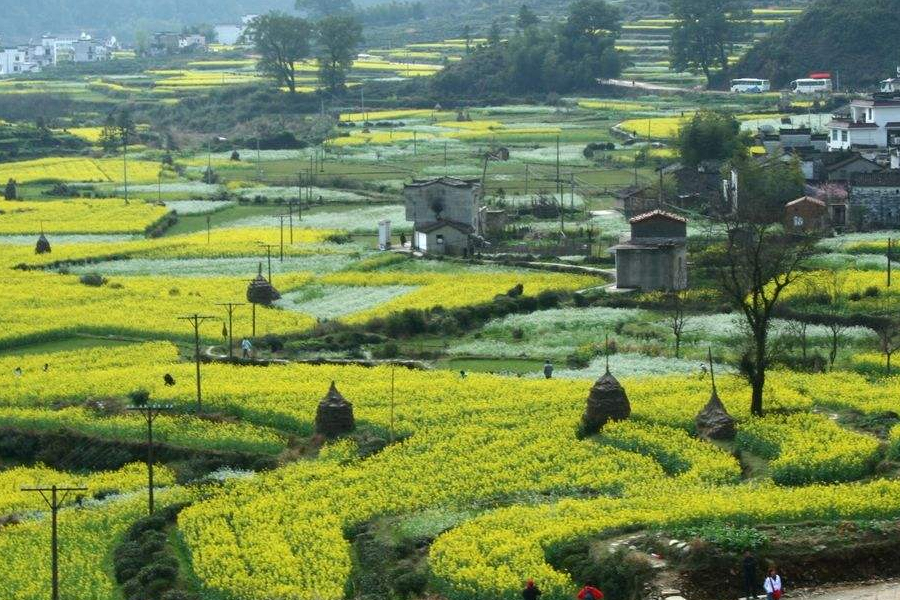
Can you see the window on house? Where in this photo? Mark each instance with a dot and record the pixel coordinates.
(440, 239)
(843, 136)
(834, 135)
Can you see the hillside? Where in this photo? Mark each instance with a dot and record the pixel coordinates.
(121, 17)
(855, 40)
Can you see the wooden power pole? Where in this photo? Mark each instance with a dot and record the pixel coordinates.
(196, 320)
(150, 412)
(54, 501)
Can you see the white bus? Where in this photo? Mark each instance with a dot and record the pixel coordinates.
(811, 86)
(750, 86)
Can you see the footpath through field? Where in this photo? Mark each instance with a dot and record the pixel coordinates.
(886, 590)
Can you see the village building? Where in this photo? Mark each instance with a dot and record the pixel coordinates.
(696, 188)
(892, 85)
(874, 200)
(806, 215)
(873, 123)
(168, 42)
(655, 255)
(446, 214)
(794, 138)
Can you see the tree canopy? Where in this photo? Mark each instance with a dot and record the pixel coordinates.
(338, 39)
(282, 41)
(853, 40)
(711, 136)
(704, 34)
(318, 9)
(561, 58)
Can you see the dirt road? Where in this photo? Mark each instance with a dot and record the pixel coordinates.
(877, 591)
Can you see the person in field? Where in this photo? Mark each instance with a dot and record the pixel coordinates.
(749, 567)
(772, 585)
(589, 592)
(246, 347)
(548, 369)
(531, 591)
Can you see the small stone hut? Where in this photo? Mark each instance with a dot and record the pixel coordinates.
(334, 416)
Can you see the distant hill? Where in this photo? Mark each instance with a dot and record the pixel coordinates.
(23, 20)
(857, 40)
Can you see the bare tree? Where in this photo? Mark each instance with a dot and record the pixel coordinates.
(676, 317)
(760, 261)
(888, 341)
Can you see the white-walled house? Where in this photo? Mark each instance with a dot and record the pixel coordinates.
(891, 85)
(873, 123)
(14, 61)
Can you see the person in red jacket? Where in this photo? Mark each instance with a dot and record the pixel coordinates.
(590, 593)
(531, 591)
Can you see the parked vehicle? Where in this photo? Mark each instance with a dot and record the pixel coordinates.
(811, 86)
(750, 86)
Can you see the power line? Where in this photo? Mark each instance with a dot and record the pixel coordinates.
(229, 308)
(54, 502)
(196, 320)
(150, 412)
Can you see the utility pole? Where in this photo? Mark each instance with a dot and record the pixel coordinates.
(150, 412)
(54, 502)
(208, 228)
(125, 160)
(196, 320)
(268, 248)
(229, 308)
(291, 222)
(281, 239)
(889, 248)
(526, 179)
(558, 181)
(258, 161)
(392, 402)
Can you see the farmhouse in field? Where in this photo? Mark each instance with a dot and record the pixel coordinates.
(655, 256)
(874, 200)
(806, 215)
(873, 124)
(446, 214)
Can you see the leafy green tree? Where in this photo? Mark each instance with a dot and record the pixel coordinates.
(711, 136)
(526, 18)
(11, 191)
(493, 36)
(764, 187)
(319, 9)
(339, 37)
(467, 36)
(282, 41)
(705, 33)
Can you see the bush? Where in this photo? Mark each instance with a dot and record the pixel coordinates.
(872, 292)
(548, 299)
(92, 279)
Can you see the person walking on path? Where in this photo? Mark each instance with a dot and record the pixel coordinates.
(772, 585)
(531, 591)
(749, 567)
(548, 369)
(590, 593)
(246, 347)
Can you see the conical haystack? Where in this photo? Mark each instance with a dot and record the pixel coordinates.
(42, 246)
(334, 416)
(606, 402)
(260, 291)
(713, 422)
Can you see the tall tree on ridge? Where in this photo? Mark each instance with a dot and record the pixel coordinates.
(282, 41)
(704, 34)
(339, 37)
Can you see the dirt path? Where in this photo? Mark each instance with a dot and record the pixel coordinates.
(889, 590)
